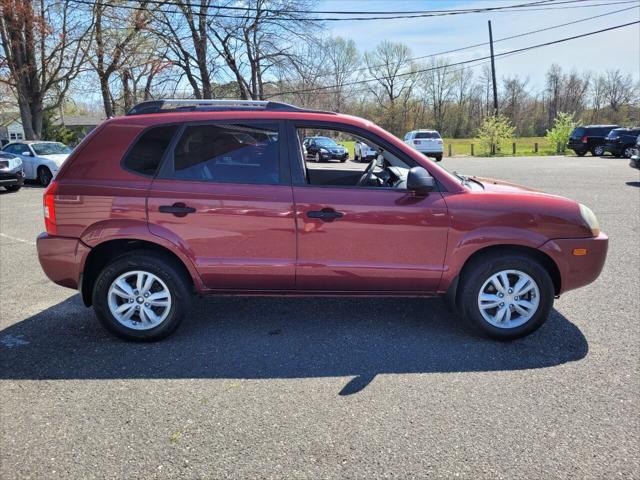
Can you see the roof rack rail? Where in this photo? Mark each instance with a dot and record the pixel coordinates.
(181, 105)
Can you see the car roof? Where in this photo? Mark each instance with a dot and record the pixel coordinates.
(627, 129)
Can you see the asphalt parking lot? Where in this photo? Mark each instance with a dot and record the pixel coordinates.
(317, 388)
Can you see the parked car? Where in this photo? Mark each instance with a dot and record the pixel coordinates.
(590, 138)
(323, 149)
(635, 158)
(621, 141)
(363, 152)
(165, 202)
(11, 173)
(427, 142)
(41, 160)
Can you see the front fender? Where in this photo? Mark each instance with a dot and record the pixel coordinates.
(462, 245)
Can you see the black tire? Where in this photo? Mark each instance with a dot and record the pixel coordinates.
(581, 153)
(627, 152)
(438, 158)
(480, 270)
(597, 151)
(13, 188)
(44, 176)
(343, 160)
(355, 157)
(164, 268)
(318, 158)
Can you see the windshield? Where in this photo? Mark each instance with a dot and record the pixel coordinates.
(326, 142)
(52, 148)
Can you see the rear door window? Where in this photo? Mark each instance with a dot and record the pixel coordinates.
(146, 154)
(229, 153)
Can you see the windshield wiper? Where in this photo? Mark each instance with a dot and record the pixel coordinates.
(463, 178)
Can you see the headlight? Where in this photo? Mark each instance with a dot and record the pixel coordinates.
(590, 219)
(324, 150)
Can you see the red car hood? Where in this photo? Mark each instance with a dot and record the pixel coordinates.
(501, 186)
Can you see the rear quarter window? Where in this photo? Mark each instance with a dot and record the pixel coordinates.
(145, 155)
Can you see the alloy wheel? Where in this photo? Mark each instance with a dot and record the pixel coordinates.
(139, 300)
(509, 299)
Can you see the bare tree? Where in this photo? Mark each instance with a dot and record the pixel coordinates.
(42, 44)
(394, 75)
(342, 61)
(258, 40)
(114, 43)
(183, 29)
(438, 82)
(618, 89)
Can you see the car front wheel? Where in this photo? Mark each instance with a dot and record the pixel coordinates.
(13, 188)
(141, 296)
(505, 296)
(627, 152)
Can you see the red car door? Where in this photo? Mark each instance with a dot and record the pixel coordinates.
(224, 198)
(363, 239)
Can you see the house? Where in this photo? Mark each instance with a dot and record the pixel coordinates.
(10, 127)
(81, 124)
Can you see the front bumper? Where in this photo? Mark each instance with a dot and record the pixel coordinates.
(334, 156)
(577, 271)
(8, 179)
(613, 148)
(62, 258)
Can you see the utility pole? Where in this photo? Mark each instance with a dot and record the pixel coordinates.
(493, 73)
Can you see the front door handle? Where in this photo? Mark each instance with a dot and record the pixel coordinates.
(326, 214)
(178, 209)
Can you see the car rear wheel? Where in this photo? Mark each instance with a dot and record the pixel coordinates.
(597, 151)
(44, 176)
(438, 157)
(141, 296)
(505, 296)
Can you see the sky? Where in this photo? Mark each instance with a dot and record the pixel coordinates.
(617, 49)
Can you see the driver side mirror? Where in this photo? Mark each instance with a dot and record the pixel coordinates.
(26, 153)
(419, 180)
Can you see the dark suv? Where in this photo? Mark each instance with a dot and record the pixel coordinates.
(621, 141)
(215, 198)
(590, 138)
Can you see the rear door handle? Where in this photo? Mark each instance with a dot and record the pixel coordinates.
(326, 214)
(178, 209)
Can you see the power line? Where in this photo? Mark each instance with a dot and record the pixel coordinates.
(424, 70)
(537, 6)
(482, 44)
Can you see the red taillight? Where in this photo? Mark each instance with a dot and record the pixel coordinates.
(584, 139)
(416, 142)
(49, 204)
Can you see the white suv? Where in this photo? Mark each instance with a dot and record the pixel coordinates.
(427, 142)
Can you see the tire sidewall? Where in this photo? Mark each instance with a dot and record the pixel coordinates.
(180, 297)
(484, 269)
(44, 176)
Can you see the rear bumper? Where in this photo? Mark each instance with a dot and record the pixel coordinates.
(62, 259)
(577, 271)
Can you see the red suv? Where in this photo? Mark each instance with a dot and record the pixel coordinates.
(215, 198)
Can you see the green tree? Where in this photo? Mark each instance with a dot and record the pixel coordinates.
(494, 133)
(563, 125)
